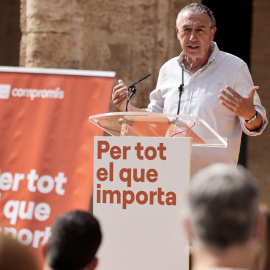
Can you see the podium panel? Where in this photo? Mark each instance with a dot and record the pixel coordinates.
(140, 185)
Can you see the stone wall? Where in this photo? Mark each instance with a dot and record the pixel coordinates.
(259, 147)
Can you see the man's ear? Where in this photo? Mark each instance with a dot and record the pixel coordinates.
(186, 225)
(44, 250)
(93, 264)
(177, 32)
(213, 32)
(260, 225)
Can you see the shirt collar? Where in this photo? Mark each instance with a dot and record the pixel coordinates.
(215, 51)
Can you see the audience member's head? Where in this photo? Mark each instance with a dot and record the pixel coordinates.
(74, 242)
(262, 256)
(15, 256)
(223, 217)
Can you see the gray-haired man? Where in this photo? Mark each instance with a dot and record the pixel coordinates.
(223, 221)
(217, 87)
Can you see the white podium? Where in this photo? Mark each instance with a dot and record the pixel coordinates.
(141, 178)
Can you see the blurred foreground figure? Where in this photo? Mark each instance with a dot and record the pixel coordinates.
(223, 222)
(262, 259)
(75, 239)
(15, 256)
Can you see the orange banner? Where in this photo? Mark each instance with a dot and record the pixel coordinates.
(46, 146)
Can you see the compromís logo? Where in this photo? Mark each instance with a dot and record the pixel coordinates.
(56, 93)
(5, 91)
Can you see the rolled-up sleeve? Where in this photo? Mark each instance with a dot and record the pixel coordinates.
(261, 110)
(245, 82)
(156, 100)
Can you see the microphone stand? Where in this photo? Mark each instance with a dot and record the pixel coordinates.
(132, 89)
(181, 90)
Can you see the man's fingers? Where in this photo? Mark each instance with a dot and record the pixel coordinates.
(118, 89)
(119, 85)
(228, 96)
(119, 96)
(228, 101)
(233, 92)
(252, 91)
(236, 95)
(119, 101)
(255, 88)
(227, 106)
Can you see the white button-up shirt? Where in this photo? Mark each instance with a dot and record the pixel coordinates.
(200, 99)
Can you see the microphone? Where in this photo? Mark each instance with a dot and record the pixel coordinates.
(181, 90)
(132, 88)
(139, 80)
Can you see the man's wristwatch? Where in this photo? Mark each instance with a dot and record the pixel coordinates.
(252, 119)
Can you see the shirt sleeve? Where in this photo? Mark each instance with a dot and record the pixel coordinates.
(243, 85)
(156, 100)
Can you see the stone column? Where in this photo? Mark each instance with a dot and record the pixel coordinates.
(133, 38)
(51, 33)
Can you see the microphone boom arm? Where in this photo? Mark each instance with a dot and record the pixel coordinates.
(132, 88)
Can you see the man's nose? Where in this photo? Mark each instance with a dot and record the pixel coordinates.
(193, 35)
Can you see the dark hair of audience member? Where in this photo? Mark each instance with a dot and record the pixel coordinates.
(75, 239)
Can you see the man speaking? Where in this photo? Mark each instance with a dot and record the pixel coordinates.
(217, 87)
